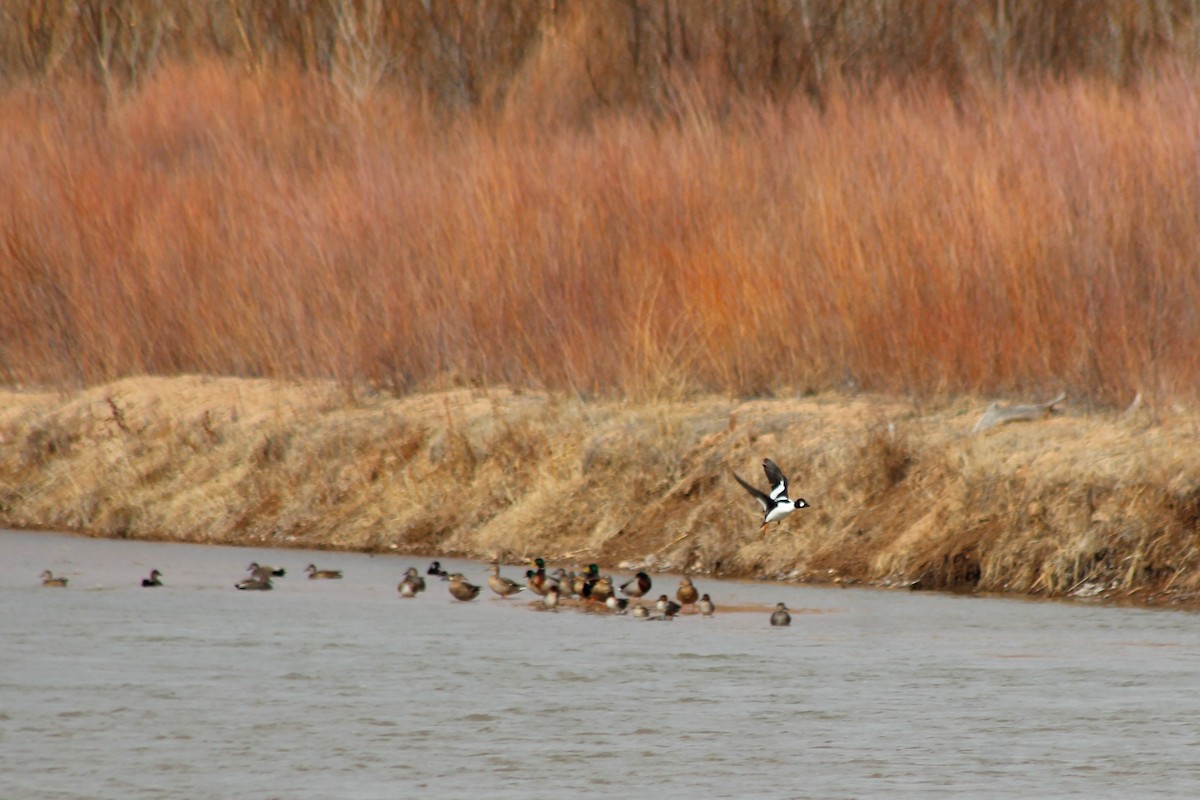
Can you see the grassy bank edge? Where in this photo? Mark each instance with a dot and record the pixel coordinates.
(1077, 505)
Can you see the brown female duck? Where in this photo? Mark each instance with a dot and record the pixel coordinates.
(48, 579)
(460, 589)
(687, 594)
(505, 587)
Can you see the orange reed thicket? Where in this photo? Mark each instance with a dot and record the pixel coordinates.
(900, 239)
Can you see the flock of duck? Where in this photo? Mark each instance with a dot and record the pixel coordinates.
(589, 589)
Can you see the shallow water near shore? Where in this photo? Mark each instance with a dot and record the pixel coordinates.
(341, 689)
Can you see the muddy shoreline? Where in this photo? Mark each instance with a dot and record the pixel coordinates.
(1097, 507)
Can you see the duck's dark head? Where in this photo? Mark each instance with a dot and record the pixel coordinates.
(593, 571)
(800, 502)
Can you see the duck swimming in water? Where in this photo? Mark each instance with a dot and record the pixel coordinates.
(460, 589)
(687, 594)
(550, 599)
(327, 574)
(48, 579)
(505, 587)
(411, 584)
(153, 580)
(255, 584)
(637, 586)
(617, 605)
(535, 579)
(780, 617)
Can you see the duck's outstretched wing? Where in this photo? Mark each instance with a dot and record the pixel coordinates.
(776, 478)
(763, 500)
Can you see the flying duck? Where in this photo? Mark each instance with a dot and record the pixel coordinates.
(775, 505)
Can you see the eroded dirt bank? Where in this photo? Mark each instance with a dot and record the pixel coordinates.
(1078, 505)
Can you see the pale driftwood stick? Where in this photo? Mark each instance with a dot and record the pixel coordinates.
(998, 416)
(1133, 407)
(672, 543)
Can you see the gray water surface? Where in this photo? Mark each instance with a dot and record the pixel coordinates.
(340, 689)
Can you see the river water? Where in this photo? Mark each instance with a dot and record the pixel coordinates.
(340, 689)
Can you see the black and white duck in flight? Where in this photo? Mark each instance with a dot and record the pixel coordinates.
(775, 505)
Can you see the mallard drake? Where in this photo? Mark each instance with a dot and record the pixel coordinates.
(535, 579)
(265, 571)
(153, 580)
(780, 616)
(48, 579)
(706, 606)
(461, 589)
(550, 599)
(602, 590)
(256, 584)
(328, 574)
(589, 578)
(435, 568)
(411, 584)
(505, 587)
(687, 594)
(637, 586)
(617, 605)
(640, 611)
(775, 505)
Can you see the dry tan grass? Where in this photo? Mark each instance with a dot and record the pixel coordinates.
(1080, 504)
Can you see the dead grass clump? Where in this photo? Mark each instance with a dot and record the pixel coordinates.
(46, 443)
